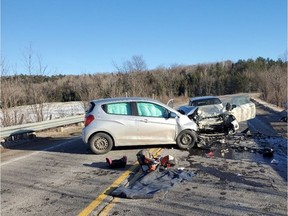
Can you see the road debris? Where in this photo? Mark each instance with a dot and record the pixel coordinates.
(157, 175)
(210, 154)
(151, 183)
(274, 161)
(245, 145)
(118, 163)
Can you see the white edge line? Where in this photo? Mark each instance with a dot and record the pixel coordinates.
(37, 152)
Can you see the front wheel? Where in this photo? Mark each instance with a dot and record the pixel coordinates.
(186, 139)
(101, 143)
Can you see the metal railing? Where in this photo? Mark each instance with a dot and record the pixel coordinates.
(39, 126)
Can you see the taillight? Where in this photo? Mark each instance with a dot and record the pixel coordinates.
(88, 120)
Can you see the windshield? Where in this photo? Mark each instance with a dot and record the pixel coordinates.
(211, 110)
(240, 100)
(205, 102)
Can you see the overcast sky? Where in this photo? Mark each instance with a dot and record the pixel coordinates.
(87, 36)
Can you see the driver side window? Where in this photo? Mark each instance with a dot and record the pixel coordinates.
(151, 110)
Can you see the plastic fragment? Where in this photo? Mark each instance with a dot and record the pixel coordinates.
(210, 154)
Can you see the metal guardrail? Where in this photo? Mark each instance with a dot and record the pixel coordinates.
(38, 126)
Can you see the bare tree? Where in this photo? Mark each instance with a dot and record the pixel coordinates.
(35, 94)
(278, 85)
(11, 96)
(135, 65)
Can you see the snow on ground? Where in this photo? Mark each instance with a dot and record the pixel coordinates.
(27, 114)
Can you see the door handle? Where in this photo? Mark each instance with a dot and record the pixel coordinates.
(144, 120)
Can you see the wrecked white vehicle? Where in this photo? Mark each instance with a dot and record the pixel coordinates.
(212, 117)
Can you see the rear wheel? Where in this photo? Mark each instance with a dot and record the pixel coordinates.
(186, 139)
(101, 143)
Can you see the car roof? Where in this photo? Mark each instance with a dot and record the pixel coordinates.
(203, 98)
(124, 99)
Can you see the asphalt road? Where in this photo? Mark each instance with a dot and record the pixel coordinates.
(54, 175)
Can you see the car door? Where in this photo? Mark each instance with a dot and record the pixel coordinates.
(121, 123)
(154, 125)
(245, 109)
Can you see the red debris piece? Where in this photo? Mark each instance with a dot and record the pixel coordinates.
(210, 154)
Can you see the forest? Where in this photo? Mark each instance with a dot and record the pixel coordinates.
(132, 78)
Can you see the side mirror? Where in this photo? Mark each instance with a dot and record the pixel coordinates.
(230, 107)
(181, 111)
(172, 115)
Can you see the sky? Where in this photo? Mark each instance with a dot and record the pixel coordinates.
(92, 36)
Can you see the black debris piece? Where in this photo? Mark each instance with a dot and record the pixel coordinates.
(268, 152)
(119, 163)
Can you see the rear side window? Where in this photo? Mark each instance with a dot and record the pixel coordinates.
(122, 108)
(151, 110)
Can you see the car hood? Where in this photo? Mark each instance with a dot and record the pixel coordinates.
(204, 111)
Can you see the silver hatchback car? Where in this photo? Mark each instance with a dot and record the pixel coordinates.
(135, 121)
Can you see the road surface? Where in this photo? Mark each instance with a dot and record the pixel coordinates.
(56, 174)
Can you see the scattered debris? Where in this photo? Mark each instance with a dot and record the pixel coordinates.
(119, 163)
(240, 146)
(168, 161)
(268, 152)
(246, 131)
(210, 154)
(274, 161)
(148, 184)
(149, 163)
(157, 176)
(146, 160)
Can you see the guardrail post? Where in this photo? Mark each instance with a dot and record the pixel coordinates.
(80, 124)
(60, 129)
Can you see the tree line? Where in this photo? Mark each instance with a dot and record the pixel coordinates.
(132, 78)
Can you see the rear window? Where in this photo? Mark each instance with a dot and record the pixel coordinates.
(90, 107)
(122, 108)
(205, 102)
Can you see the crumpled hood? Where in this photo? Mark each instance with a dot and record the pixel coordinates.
(204, 111)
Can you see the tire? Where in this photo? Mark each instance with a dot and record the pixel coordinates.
(186, 139)
(101, 143)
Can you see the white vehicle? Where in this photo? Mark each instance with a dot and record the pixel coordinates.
(206, 101)
(135, 121)
(211, 116)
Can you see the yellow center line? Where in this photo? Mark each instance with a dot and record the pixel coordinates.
(95, 203)
(115, 200)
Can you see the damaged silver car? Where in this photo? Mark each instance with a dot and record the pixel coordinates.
(212, 117)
